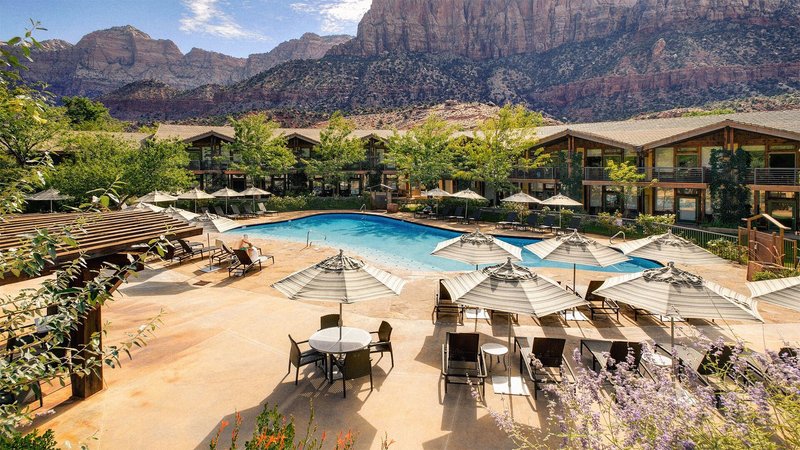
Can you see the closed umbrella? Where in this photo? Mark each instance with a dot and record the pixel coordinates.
(468, 194)
(340, 279)
(783, 292)
(477, 248)
(226, 193)
(254, 192)
(669, 247)
(561, 200)
(577, 249)
(675, 293)
(157, 197)
(195, 194)
(48, 195)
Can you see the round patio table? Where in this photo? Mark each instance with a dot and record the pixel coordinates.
(337, 340)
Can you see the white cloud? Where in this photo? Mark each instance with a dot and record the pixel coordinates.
(206, 16)
(336, 15)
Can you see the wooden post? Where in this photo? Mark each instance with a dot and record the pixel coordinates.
(87, 385)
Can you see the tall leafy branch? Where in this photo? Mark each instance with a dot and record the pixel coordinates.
(338, 150)
(422, 155)
(262, 150)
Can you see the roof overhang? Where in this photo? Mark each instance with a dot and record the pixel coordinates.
(736, 125)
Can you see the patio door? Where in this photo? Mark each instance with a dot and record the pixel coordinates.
(688, 209)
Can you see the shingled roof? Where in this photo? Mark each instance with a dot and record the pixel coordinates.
(312, 135)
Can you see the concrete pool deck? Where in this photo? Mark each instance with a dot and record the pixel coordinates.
(223, 348)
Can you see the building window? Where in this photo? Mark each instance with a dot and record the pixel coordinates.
(665, 200)
(756, 155)
(664, 157)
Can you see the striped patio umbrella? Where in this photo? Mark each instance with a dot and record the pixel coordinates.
(179, 213)
(669, 247)
(212, 223)
(783, 292)
(147, 207)
(435, 193)
(468, 194)
(521, 197)
(340, 279)
(477, 248)
(157, 197)
(254, 192)
(226, 193)
(48, 195)
(577, 249)
(560, 200)
(195, 194)
(677, 294)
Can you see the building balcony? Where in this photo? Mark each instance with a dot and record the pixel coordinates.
(662, 174)
(539, 173)
(774, 177)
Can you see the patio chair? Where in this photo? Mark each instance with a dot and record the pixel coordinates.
(530, 222)
(384, 342)
(548, 224)
(221, 213)
(223, 252)
(512, 219)
(598, 304)
(444, 304)
(463, 361)
(298, 358)
(574, 224)
(711, 367)
(423, 213)
(457, 215)
(238, 213)
(249, 210)
(609, 353)
(244, 263)
(328, 321)
(263, 210)
(188, 250)
(541, 358)
(443, 213)
(473, 218)
(355, 365)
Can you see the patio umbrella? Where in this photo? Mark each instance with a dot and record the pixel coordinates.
(521, 197)
(179, 213)
(477, 248)
(146, 207)
(340, 279)
(468, 194)
(157, 197)
(226, 193)
(669, 247)
(782, 292)
(560, 200)
(253, 191)
(195, 194)
(675, 293)
(212, 223)
(436, 193)
(577, 249)
(49, 195)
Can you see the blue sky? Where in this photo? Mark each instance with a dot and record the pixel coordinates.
(233, 27)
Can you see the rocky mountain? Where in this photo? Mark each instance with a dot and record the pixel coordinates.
(105, 60)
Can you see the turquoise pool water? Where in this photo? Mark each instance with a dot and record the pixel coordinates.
(395, 242)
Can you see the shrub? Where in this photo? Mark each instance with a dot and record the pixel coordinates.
(30, 441)
(727, 249)
(774, 275)
(651, 224)
(308, 202)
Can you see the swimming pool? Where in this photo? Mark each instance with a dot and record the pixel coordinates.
(395, 242)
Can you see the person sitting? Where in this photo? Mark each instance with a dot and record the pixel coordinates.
(248, 246)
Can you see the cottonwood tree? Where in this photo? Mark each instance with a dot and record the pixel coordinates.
(423, 155)
(730, 196)
(88, 115)
(627, 176)
(336, 152)
(262, 150)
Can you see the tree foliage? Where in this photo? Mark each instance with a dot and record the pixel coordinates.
(498, 147)
(627, 177)
(261, 149)
(730, 196)
(88, 115)
(336, 152)
(571, 178)
(423, 154)
(28, 122)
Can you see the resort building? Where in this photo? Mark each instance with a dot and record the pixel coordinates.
(674, 155)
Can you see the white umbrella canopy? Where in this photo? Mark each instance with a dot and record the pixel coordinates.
(468, 194)
(511, 288)
(521, 197)
(179, 213)
(212, 223)
(436, 193)
(561, 200)
(477, 248)
(147, 207)
(252, 191)
(226, 193)
(48, 195)
(675, 293)
(669, 247)
(340, 279)
(195, 194)
(783, 292)
(157, 197)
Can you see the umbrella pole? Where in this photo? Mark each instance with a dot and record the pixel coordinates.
(574, 277)
(672, 341)
(340, 321)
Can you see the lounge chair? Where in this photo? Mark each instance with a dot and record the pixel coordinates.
(458, 215)
(598, 304)
(328, 321)
(541, 358)
(444, 304)
(187, 250)
(384, 342)
(355, 364)
(574, 224)
(463, 361)
(222, 213)
(424, 213)
(244, 263)
(712, 367)
(473, 218)
(223, 252)
(238, 213)
(441, 213)
(530, 222)
(512, 219)
(547, 225)
(249, 211)
(263, 210)
(609, 353)
(299, 358)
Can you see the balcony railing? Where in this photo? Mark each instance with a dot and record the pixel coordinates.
(662, 174)
(774, 177)
(539, 173)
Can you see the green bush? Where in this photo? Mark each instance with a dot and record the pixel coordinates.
(650, 224)
(727, 249)
(30, 441)
(307, 202)
(774, 275)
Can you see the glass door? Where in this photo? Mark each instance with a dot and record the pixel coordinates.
(688, 209)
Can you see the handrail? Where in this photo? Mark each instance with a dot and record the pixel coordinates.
(363, 208)
(611, 239)
(308, 237)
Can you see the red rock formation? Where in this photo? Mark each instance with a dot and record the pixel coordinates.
(309, 46)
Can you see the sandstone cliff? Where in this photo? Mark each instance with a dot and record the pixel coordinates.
(485, 29)
(309, 46)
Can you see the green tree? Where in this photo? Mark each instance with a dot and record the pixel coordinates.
(627, 176)
(337, 150)
(261, 149)
(730, 196)
(422, 155)
(158, 165)
(87, 115)
(28, 122)
(498, 147)
(571, 178)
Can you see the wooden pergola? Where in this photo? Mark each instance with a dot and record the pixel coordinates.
(102, 238)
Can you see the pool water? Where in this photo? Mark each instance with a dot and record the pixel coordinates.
(395, 242)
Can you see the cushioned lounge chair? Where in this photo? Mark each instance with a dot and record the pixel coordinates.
(443, 304)
(544, 361)
(609, 353)
(512, 220)
(599, 305)
(244, 263)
